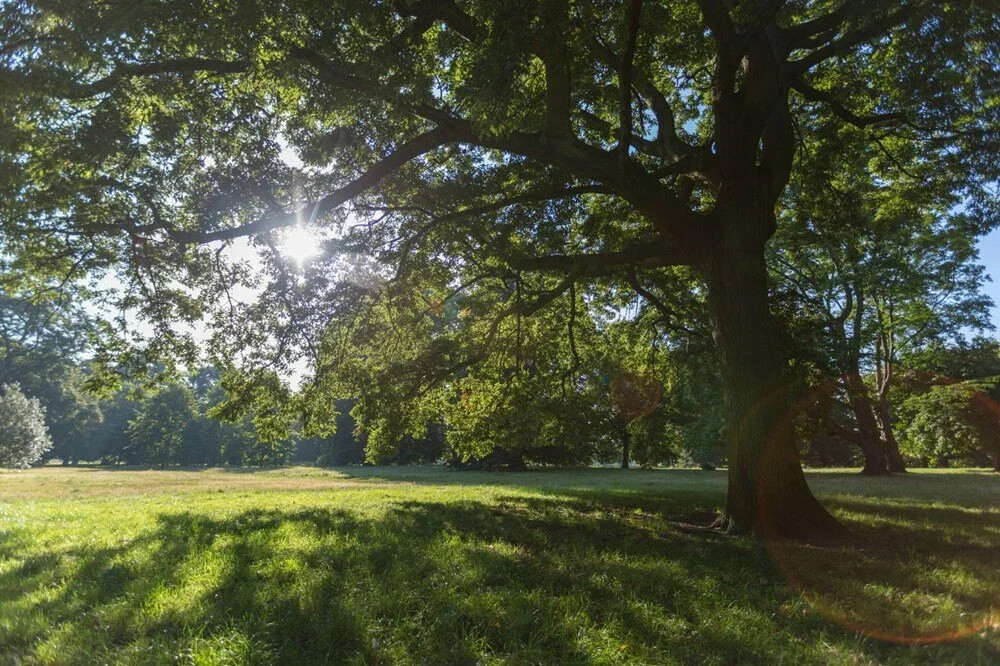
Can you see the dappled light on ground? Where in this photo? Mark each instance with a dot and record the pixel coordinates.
(910, 574)
(424, 565)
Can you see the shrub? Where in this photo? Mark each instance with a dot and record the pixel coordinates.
(24, 439)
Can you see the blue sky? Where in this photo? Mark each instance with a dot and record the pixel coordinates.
(989, 254)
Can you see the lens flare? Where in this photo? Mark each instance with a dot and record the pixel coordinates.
(635, 395)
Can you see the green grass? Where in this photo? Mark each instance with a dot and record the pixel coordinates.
(426, 565)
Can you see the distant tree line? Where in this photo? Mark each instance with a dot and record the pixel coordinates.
(172, 424)
(644, 391)
(638, 408)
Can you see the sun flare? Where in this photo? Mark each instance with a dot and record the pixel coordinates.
(300, 244)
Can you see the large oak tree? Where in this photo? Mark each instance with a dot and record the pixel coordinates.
(536, 147)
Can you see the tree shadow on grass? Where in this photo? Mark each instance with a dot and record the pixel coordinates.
(911, 574)
(527, 579)
(446, 583)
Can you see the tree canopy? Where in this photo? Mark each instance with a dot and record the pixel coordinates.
(477, 173)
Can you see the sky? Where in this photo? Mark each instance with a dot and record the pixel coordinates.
(989, 255)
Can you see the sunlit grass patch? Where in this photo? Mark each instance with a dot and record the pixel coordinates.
(428, 565)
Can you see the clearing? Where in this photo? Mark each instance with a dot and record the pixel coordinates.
(429, 565)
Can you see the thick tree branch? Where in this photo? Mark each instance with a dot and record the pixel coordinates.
(642, 144)
(172, 66)
(346, 76)
(555, 145)
(841, 111)
(666, 123)
(777, 150)
(12, 46)
(447, 11)
(804, 35)
(632, 15)
(727, 57)
(650, 254)
(551, 48)
(873, 29)
(716, 13)
(333, 73)
(534, 196)
(628, 179)
(669, 143)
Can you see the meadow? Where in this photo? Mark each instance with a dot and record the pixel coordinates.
(429, 565)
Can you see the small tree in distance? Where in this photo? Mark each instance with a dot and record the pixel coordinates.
(163, 425)
(23, 435)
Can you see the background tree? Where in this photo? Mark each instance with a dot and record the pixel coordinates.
(44, 334)
(536, 397)
(948, 403)
(663, 381)
(108, 437)
(346, 446)
(953, 422)
(161, 429)
(519, 149)
(871, 268)
(23, 436)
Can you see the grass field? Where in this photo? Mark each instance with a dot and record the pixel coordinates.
(427, 565)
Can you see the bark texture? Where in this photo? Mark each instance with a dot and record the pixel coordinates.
(626, 448)
(876, 459)
(768, 495)
(893, 457)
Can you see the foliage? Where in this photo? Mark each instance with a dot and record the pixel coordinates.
(107, 440)
(952, 422)
(44, 333)
(162, 425)
(24, 438)
(164, 157)
(479, 175)
(949, 403)
(175, 424)
(871, 265)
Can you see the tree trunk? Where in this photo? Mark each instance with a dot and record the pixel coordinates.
(768, 495)
(626, 441)
(996, 452)
(889, 443)
(876, 462)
